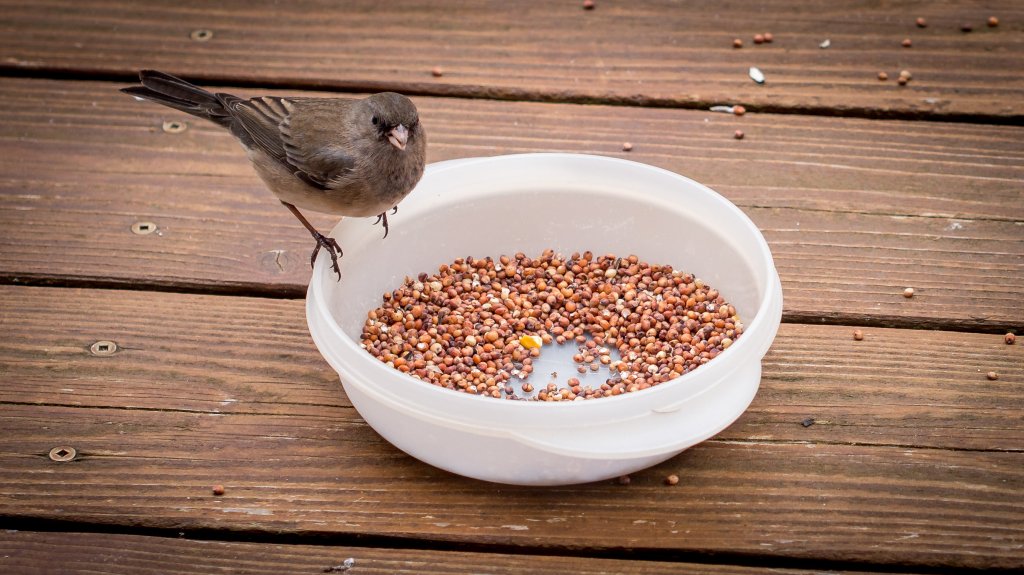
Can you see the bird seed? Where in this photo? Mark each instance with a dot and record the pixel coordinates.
(478, 323)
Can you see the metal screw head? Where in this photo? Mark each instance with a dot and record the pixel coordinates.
(103, 348)
(143, 228)
(174, 126)
(63, 453)
(201, 35)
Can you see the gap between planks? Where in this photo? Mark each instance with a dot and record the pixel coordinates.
(508, 94)
(558, 559)
(293, 292)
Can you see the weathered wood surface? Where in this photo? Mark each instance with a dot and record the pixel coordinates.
(41, 553)
(915, 458)
(662, 53)
(250, 356)
(854, 210)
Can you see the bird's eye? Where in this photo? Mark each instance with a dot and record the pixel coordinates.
(374, 120)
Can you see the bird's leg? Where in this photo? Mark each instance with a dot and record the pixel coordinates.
(322, 241)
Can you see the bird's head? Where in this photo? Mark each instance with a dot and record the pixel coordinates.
(394, 118)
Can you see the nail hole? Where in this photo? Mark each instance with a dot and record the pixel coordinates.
(201, 35)
(103, 348)
(174, 126)
(63, 453)
(143, 228)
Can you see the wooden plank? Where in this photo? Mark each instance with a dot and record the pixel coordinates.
(662, 53)
(915, 457)
(38, 553)
(854, 210)
(249, 356)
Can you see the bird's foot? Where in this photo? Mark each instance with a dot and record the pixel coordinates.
(332, 247)
(383, 217)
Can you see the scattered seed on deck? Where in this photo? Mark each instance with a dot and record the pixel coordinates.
(992, 376)
(738, 134)
(858, 334)
(807, 422)
(902, 81)
(906, 43)
(758, 39)
(966, 27)
(922, 23)
(739, 110)
(437, 72)
(626, 146)
(218, 490)
(624, 480)
(908, 293)
(345, 566)
(756, 75)
(993, 21)
(883, 76)
(768, 37)
(1010, 338)
(737, 43)
(825, 44)
(672, 479)
(588, 4)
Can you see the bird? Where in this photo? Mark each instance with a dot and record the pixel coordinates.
(354, 157)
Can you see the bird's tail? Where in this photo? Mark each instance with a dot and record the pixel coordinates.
(178, 94)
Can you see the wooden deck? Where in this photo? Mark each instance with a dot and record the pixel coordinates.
(915, 460)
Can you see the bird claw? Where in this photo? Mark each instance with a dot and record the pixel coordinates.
(383, 217)
(332, 247)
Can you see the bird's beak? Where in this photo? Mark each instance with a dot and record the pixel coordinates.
(398, 136)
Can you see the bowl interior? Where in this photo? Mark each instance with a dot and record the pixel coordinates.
(532, 202)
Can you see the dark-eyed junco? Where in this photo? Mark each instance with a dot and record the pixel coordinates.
(353, 157)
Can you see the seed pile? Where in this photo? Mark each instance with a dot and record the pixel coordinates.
(477, 324)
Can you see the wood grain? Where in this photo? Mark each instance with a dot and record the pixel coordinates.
(854, 210)
(914, 458)
(653, 53)
(249, 356)
(40, 553)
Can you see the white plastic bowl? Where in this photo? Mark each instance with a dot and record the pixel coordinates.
(501, 205)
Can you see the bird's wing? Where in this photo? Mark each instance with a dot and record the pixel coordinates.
(314, 141)
(314, 158)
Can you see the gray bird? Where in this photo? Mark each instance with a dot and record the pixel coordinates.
(352, 157)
